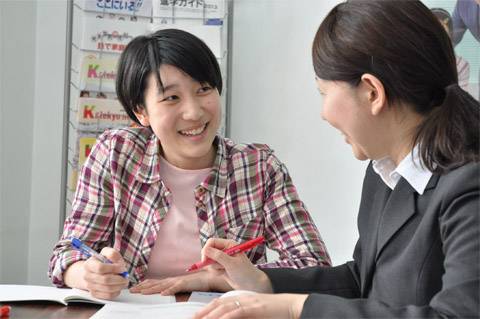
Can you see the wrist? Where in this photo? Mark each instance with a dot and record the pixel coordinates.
(296, 306)
(73, 276)
(217, 283)
(264, 283)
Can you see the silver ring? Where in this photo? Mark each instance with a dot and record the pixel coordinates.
(237, 303)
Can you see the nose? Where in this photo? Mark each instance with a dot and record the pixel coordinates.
(193, 110)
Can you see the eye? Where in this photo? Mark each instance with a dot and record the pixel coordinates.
(205, 89)
(170, 98)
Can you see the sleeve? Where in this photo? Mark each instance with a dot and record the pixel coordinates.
(459, 27)
(92, 213)
(459, 222)
(339, 280)
(289, 228)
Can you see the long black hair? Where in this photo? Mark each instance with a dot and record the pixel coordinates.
(404, 45)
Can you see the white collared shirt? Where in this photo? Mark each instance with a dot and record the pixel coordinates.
(409, 168)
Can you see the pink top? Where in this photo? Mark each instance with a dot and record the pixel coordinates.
(177, 246)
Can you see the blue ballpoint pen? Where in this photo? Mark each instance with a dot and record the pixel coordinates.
(89, 252)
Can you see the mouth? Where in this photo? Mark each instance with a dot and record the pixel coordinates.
(194, 131)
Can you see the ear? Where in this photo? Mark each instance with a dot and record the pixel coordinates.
(375, 93)
(142, 116)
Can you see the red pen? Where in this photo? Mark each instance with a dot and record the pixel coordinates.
(230, 251)
(5, 311)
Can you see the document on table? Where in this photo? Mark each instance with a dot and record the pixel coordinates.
(179, 310)
(204, 296)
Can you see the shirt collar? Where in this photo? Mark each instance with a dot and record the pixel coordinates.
(149, 168)
(410, 168)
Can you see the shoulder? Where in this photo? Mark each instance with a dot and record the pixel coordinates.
(125, 146)
(126, 139)
(460, 180)
(459, 185)
(249, 153)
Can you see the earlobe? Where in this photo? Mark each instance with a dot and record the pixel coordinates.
(142, 116)
(375, 93)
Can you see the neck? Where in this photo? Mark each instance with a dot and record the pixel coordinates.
(403, 130)
(206, 161)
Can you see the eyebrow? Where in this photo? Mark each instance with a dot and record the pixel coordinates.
(168, 87)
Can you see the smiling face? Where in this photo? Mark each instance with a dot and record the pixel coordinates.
(342, 108)
(185, 117)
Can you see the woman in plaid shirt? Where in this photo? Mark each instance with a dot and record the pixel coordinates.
(150, 197)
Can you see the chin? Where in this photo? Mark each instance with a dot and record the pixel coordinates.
(361, 156)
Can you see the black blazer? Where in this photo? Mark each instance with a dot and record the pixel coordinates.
(417, 256)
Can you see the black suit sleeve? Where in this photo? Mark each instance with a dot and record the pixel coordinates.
(334, 291)
(339, 280)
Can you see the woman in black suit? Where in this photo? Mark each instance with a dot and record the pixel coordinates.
(387, 74)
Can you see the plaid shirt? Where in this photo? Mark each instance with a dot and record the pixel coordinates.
(121, 201)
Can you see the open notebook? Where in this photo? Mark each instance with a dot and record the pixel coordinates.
(9, 293)
(179, 310)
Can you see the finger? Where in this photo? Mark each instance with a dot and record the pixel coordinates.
(144, 284)
(220, 243)
(105, 280)
(96, 266)
(107, 289)
(220, 257)
(104, 295)
(205, 311)
(113, 255)
(179, 286)
(223, 309)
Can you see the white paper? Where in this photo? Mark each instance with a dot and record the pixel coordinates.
(204, 296)
(63, 295)
(179, 310)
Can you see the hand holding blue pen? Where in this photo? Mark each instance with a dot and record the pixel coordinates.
(89, 252)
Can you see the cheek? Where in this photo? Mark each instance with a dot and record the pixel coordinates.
(213, 107)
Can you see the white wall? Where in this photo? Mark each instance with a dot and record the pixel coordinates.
(17, 68)
(275, 101)
(32, 64)
(1, 141)
(45, 206)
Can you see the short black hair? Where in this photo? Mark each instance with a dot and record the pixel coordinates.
(145, 54)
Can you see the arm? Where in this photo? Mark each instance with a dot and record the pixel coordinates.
(458, 225)
(343, 280)
(459, 26)
(289, 228)
(91, 218)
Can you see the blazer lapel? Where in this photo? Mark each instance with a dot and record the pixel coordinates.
(371, 233)
(400, 207)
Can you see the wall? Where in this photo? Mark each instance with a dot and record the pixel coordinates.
(31, 102)
(45, 206)
(1, 142)
(274, 100)
(18, 21)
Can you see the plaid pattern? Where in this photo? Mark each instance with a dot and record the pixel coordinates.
(121, 200)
